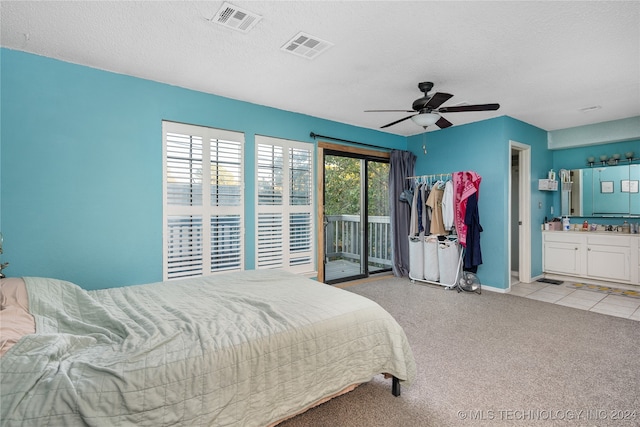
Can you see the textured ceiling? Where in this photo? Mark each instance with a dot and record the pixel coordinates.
(542, 61)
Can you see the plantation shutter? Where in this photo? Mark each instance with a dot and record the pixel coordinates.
(284, 205)
(203, 200)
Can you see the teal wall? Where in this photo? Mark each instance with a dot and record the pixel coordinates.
(81, 171)
(484, 148)
(81, 168)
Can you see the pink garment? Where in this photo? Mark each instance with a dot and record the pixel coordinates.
(464, 184)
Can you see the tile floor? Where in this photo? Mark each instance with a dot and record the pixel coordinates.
(613, 305)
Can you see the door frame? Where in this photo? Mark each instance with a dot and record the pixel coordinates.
(524, 208)
(347, 149)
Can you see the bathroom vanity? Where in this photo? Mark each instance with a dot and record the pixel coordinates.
(607, 256)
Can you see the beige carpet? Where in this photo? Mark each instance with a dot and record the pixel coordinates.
(494, 360)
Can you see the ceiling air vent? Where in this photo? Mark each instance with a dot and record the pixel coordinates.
(306, 45)
(236, 18)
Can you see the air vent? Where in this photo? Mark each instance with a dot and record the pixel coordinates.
(306, 45)
(236, 18)
(590, 109)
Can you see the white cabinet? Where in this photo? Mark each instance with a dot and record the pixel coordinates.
(562, 258)
(610, 257)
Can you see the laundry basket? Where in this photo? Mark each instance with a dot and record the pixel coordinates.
(416, 267)
(449, 262)
(431, 268)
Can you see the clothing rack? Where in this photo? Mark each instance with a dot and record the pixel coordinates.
(434, 253)
(433, 175)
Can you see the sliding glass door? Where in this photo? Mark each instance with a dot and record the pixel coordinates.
(357, 240)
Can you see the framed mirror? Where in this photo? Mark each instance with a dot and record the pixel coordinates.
(602, 191)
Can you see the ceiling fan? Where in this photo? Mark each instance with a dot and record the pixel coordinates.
(427, 112)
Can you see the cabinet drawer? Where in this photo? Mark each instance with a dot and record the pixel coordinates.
(563, 237)
(613, 240)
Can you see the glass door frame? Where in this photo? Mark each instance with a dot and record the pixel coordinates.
(346, 151)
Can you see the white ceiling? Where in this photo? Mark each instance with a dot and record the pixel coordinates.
(542, 61)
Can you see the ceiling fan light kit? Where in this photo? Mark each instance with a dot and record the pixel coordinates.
(427, 109)
(425, 119)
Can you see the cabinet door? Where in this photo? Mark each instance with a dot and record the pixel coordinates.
(608, 262)
(563, 258)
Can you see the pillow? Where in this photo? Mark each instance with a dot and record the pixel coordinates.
(15, 319)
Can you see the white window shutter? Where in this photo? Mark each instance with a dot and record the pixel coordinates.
(203, 209)
(284, 205)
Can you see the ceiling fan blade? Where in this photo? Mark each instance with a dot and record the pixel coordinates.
(443, 123)
(388, 111)
(396, 122)
(460, 108)
(437, 100)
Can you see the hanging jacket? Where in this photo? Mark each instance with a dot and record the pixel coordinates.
(472, 253)
(435, 203)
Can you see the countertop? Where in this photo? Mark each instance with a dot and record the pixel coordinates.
(605, 233)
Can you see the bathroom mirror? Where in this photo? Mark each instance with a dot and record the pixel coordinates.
(602, 191)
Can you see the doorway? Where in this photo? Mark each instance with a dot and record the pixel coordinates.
(519, 235)
(356, 231)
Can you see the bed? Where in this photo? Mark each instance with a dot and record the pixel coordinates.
(250, 348)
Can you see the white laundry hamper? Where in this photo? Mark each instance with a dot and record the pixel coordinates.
(448, 262)
(416, 267)
(430, 252)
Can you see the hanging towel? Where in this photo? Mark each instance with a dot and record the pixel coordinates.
(464, 184)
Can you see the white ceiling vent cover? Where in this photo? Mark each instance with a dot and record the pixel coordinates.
(306, 45)
(236, 18)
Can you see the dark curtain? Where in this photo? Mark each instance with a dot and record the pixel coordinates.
(401, 166)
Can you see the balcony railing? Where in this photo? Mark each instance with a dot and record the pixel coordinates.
(343, 239)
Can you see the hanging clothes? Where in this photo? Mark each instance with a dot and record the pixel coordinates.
(448, 206)
(421, 207)
(472, 253)
(464, 184)
(413, 226)
(435, 203)
(426, 217)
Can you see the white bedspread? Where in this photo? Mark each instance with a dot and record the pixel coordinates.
(246, 348)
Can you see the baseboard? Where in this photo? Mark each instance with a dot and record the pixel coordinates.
(494, 289)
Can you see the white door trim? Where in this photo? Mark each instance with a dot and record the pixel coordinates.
(524, 208)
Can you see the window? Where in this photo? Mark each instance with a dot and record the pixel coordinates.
(203, 191)
(284, 199)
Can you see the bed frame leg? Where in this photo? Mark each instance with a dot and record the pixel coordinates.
(395, 386)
